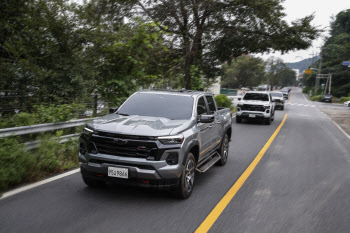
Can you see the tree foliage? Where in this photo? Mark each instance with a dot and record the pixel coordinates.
(336, 50)
(207, 33)
(279, 73)
(55, 51)
(245, 71)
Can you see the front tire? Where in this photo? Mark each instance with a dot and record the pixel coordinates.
(238, 119)
(186, 182)
(224, 151)
(268, 121)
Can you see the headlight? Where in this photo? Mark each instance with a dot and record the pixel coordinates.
(177, 139)
(87, 133)
(267, 106)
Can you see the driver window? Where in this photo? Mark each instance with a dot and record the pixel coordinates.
(201, 107)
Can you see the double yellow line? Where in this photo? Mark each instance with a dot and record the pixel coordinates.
(216, 212)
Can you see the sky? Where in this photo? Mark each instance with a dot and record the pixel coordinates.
(323, 11)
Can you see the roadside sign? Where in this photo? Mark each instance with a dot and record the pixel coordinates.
(307, 71)
(346, 63)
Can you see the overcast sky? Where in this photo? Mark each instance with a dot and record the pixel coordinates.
(323, 10)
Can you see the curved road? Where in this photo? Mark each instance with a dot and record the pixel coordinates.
(301, 184)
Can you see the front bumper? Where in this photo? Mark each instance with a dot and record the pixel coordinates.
(142, 172)
(249, 115)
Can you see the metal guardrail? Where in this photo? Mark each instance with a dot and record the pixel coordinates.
(63, 139)
(23, 130)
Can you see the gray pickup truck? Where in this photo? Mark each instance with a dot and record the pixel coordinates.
(156, 139)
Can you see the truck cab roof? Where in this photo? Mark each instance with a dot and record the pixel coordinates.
(176, 92)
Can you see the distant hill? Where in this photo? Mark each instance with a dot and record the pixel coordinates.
(303, 64)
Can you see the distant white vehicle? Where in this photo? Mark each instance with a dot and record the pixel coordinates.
(347, 104)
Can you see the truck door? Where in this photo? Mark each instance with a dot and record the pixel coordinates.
(204, 135)
(216, 128)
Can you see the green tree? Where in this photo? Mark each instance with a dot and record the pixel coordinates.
(210, 32)
(279, 73)
(336, 50)
(245, 71)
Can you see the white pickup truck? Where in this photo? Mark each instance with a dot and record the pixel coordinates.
(256, 105)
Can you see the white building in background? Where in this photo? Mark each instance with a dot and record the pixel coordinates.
(215, 87)
(297, 73)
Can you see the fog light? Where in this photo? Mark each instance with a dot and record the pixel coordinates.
(82, 149)
(268, 111)
(173, 158)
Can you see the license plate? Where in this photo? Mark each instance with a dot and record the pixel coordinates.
(252, 115)
(118, 172)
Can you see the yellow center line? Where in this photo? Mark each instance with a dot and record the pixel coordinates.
(291, 94)
(219, 208)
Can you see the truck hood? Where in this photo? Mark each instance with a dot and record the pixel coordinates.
(138, 125)
(255, 102)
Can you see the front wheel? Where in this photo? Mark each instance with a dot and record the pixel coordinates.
(238, 119)
(268, 121)
(224, 151)
(186, 182)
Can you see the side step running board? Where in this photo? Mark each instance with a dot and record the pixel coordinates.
(209, 163)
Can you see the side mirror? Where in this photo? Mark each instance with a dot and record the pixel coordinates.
(113, 110)
(206, 118)
(239, 99)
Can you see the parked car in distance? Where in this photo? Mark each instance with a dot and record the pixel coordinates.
(156, 139)
(347, 104)
(327, 98)
(256, 105)
(279, 99)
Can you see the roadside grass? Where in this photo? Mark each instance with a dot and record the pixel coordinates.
(19, 165)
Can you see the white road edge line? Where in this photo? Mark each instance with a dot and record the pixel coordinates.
(30, 186)
(340, 128)
(336, 124)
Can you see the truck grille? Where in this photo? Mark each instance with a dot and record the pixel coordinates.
(250, 107)
(125, 147)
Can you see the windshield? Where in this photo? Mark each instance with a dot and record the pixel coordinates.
(173, 107)
(256, 96)
(276, 94)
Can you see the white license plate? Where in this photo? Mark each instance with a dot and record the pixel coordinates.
(118, 172)
(252, 115)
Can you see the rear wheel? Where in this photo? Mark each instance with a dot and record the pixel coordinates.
(186, 182)
(224, 150)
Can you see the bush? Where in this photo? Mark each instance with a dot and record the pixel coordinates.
(316, 98)
(223, 101)
(43, 114)
(15, 162)
(19, 165)
(344, 99)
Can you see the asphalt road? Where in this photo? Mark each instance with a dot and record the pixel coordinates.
(302, 184)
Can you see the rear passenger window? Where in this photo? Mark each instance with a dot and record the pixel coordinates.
(211, 104)
(201, 107)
